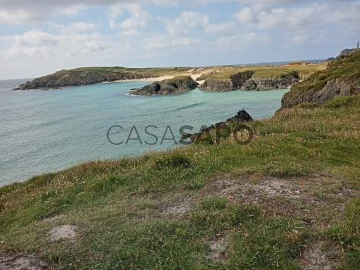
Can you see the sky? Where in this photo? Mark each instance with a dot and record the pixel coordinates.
(39, 37)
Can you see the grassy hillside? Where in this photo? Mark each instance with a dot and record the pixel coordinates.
(263, 72)
(151, 72)
(343, 73)
(288, 200)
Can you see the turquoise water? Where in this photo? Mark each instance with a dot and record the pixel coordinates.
(45, 131)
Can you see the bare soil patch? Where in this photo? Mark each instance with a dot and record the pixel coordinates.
(319, 256)
(21, 262)
(65, 232)
(219, 247)
(319, 199)
(177, 208)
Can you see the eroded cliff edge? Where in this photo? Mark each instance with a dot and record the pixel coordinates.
(341, 78)
(250, 80)
(93, 75)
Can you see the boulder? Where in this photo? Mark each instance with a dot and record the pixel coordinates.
(241, 117)
(177, 85)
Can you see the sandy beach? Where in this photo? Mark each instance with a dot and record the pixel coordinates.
(156, 79)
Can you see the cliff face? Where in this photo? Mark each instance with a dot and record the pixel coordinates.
(77, 78)
(177, 85)
(247, 81)
(216, 85)
(341, 78)
(349, 51)
(92, 75)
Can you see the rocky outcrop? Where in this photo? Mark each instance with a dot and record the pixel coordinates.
(349, 51)
(217, 85)
(240, 78)
(332, 89)
(76, 78)
(241, 117)
(247, 81)
(341, 78)
(93, 75)
(177, 85)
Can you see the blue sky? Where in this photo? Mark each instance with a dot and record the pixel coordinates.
(41, 36)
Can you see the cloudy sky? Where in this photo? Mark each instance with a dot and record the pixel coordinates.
(42, 36)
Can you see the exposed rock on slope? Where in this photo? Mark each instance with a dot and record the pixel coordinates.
(247, 81)
(349, 51)
(341, 78)
(177, 85)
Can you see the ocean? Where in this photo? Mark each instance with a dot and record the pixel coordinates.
(47, 131)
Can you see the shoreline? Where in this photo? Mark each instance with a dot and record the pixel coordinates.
(157, 79)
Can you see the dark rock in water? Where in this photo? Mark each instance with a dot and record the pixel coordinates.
(241, 117)
(177, 85)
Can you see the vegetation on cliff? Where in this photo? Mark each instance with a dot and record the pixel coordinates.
(341, 78)
(176, 85)
(266, 76)
(257, 78)
(287, 200)
(92, 75)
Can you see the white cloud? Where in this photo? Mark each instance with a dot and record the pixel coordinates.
(124, 31)
(137, 21)
(187, 21)
(242, 41)
(37, 43)
(221, 28)
(15, 17)
(313, 14)
(312, 22)
(245, 15)
(78, 27)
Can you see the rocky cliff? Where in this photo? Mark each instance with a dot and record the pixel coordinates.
(349, 51)
(341, 78)
(87, 76)
(248, 80)
(177, 85)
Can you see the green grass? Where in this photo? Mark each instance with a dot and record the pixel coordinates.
(118, 206)
(263, 72)
(345, 68)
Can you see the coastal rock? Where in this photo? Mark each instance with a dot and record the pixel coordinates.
(177, 85)
(65, 78)
(241, 117)
(217, 85)
(249, 85)
(240, 78)
(282, 82)
(247, 81)
(93, 75)
(349, 51)
(341, 78)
